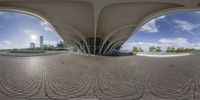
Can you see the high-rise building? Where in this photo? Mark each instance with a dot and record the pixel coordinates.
(32, 45)
(41, 41)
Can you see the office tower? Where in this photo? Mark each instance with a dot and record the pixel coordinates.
(41, 41)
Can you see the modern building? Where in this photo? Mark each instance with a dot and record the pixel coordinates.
(41, 42)
(32, 45)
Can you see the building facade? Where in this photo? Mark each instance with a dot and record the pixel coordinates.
(32, 45)
(41, 42)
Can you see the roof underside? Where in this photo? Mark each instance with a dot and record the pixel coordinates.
(111, 20)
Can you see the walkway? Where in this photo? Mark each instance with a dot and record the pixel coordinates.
(67, 76)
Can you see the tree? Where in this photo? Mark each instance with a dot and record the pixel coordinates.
(178, 50)
(158, 49)
(152, 49)
(173, 49)
(135, 49)
(169, 49)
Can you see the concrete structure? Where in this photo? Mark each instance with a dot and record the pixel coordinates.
(97, 26)
(41, 42)
(32, 45)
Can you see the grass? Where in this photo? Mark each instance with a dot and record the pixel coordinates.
(196, 51)
(27, 51)
(3, 50)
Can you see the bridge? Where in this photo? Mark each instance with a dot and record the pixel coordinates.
(97, 26)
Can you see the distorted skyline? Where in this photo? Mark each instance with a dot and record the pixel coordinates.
(18, 30)
(180, 29)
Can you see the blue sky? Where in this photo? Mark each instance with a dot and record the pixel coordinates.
(180, 29)
(17, 30)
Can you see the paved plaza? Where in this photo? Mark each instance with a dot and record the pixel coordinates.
(74, 77)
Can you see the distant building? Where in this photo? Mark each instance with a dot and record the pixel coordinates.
(60, 45)
(41, 42)
(45, 46)
(32, 45)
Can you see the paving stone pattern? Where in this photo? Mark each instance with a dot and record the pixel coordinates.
(73, 77)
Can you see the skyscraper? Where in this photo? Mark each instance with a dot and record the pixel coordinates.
(41, 41)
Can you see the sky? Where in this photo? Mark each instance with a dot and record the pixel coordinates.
(18, 30)
(180, 29)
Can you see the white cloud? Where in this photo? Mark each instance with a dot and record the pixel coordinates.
(151, 25)
(45, 26)
(174, 41)
(185, 26)
(161, 17)
(50, 42)
(6, 42)
(163, 43)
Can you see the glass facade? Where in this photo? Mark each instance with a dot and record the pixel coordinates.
(94, 48)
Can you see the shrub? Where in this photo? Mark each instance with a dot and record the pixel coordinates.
(27, 51)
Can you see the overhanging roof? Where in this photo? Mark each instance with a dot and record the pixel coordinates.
(111, 20)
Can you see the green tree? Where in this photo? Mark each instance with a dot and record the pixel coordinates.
(173, 49)
(169, 49)
(152, 49)
(158, 49)
(135, 49)
(182, 49)
(177, 50)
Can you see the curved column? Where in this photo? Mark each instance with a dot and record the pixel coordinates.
(74, 41)
(78, 45)
(80, 34)
(80, 49)
(115, 45)
(112, 42)
(110, 34)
